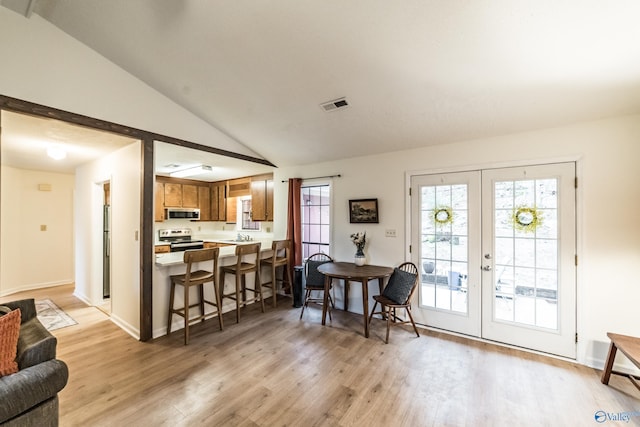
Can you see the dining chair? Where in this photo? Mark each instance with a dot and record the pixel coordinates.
(281, 258)
(195, 278)
(315, 281)
(247, 261)
(397, 295)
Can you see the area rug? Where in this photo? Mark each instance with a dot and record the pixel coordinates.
(52, 316)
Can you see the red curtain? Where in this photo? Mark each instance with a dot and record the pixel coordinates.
(294, 222)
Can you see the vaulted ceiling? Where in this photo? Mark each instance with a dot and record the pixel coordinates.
(413, 72)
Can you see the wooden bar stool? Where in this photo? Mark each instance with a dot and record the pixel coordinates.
(241, 268)
(281, 258)
(195, 278)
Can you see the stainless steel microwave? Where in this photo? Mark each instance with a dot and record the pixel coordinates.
(192, 214)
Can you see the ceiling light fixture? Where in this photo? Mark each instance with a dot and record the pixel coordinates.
(194, 170)
(56, 153)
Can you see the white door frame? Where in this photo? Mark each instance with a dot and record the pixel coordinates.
(577, 159)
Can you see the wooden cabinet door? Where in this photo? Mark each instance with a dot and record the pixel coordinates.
(159, 203)
(259, 200)
(232, 210)
(189, 196)
(162, 249)
(172, 195)
(269, 200)
(204, 203)
(218, 211)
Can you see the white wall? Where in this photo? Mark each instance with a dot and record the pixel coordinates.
(31, 258)
(608, 206)
(44, 65)
(123, 169)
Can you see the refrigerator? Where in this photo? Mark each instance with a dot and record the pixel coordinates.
(106, 251)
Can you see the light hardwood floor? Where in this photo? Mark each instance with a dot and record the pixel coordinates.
(275, 370)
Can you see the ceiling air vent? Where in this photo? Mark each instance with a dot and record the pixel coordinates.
(334, 105)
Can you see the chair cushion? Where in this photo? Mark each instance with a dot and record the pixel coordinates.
(314, 277)
(399, 286)
(9, 334)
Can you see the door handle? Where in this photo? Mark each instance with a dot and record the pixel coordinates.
(487, 268)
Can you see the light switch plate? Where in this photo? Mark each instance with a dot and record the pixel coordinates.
(390, 233)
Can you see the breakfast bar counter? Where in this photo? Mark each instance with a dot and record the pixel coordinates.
(168, 264)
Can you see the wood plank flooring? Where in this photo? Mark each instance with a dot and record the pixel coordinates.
(275, 370)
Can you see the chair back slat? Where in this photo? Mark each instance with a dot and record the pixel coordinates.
(192, 256)
(311, 273)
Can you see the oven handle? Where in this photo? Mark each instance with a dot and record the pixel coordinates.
(187, 245)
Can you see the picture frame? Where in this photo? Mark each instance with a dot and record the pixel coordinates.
(363, 211)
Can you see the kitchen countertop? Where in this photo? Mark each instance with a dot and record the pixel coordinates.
(176, 258)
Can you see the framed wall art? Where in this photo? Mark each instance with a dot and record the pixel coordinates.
(363, 211)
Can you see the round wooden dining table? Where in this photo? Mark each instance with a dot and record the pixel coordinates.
(349, 272)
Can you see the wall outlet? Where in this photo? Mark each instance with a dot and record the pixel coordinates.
(390, 233)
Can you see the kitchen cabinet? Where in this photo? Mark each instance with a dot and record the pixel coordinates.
(204, 202)
(162, 249)
(239, 187)
(232, 210)
(262, 198)
(172, 195)
(159, 202)
(218, 201)
(209, 245)
(189, 196)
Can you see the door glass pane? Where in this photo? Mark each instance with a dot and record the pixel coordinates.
(445, 247)
(526, 249)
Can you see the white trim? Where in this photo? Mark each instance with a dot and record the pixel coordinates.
(579, 220)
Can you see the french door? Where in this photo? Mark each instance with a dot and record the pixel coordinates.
(497, 252)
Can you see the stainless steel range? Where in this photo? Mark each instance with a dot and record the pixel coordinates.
(179, 239)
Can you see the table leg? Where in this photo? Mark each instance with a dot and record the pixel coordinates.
(346, 295)
(606, 373)
(325, 298)
(365, 306)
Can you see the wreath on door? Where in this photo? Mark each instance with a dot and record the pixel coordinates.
(443, 215)
(526, 219)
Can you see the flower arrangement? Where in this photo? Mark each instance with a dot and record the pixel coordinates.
(359, 239)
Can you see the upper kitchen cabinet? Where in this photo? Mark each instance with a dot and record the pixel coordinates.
(262, 198)
(190, 196)
(159, 206)
(239, 187)
(218, 201)
(180, 193)
(172, 195)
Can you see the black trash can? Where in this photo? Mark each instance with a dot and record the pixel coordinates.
(297, 285)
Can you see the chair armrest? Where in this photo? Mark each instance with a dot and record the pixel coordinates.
(31, 386)
(27, 308)
(35, 344)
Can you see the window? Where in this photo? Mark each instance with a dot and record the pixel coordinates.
(247, 223)
(315, 212)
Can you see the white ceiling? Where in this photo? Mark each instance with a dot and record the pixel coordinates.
(415, 72)
(25, 140)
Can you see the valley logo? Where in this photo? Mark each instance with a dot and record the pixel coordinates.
(602, 416)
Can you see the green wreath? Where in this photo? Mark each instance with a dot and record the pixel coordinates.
(443, 215)
(526, 219)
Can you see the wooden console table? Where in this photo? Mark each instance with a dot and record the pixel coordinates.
(630, 347)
